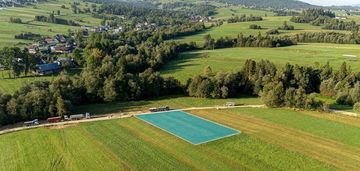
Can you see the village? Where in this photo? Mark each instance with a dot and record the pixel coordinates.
(62, 45)
(15, 3)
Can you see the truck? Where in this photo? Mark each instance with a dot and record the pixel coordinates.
(54, 119)
(230, 104)
(32, 123)
(79, 116)
(159, 109)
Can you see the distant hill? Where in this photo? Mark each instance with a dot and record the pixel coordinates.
(278, 4)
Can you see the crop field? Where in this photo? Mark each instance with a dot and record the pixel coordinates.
(27, 15)
(276, 139)
(232, 59)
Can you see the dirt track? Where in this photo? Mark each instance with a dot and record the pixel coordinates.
(130, 114)
(112, 116)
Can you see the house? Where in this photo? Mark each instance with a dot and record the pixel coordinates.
(341, 18)
(51, 41)
(66, 61)
(33, 49)
(60, 38)
(60, 49)
(45, 69)
(118, 30)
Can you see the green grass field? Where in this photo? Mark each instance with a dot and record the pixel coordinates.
(275, 139)
(10, 85)
(234, 29)
(227, 12)
(232, 59)
(27, 15)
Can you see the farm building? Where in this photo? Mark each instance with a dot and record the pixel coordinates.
(45, 69)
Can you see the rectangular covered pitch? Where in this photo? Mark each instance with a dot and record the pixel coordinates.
(188, 127)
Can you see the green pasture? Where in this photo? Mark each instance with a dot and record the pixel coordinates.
(227, 12)
(234, 29)
(344, 133)
(10, 85)
(232, 59)
(27, 14)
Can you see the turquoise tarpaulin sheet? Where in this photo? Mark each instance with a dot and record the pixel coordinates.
(188, 127)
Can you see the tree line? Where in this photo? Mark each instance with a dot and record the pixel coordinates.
(327, 37)
(247, 41)
(288, 86)
(28, 36)
(310, 15)
(244, 18)
(55, 20)
(17, 61)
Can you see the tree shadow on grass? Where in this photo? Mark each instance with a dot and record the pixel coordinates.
(180, 63)
(114, 107)
(124, 106)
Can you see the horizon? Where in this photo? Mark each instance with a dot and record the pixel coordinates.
(331, 2)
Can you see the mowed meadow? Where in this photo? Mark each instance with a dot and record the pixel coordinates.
(189, 64)
(275, 139)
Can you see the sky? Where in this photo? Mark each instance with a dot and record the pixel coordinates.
(332, 2)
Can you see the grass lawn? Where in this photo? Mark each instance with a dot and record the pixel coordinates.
(232, 59)
(125, 144)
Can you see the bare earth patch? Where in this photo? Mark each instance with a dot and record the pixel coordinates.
(62, 126)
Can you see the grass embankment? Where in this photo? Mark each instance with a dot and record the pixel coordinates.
(174, 102)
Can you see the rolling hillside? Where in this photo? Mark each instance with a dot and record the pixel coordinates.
(278, 4)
